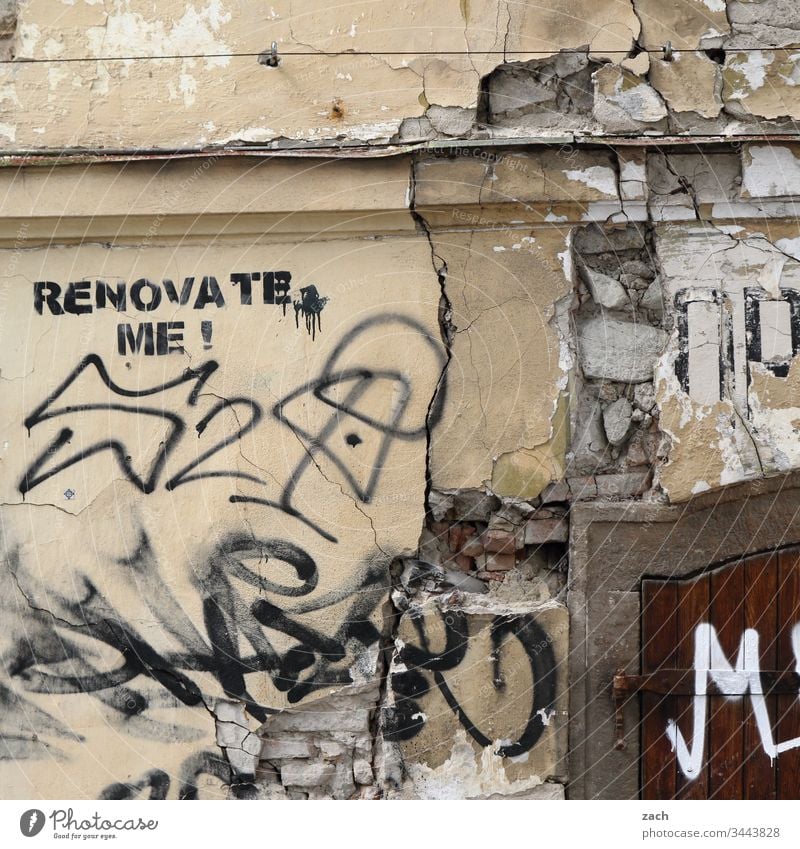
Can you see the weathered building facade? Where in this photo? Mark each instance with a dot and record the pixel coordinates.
(406, 415)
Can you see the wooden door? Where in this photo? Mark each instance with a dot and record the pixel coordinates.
(720, 685)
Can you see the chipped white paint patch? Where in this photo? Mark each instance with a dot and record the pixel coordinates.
(715, 5)
(770, 171)
(754, 70)
(52, 48)
(734, 470)
(552, 218)
(565, 257)
(641, 101)
(792, 78)
(524, 242)
(566, 361)
(674, 212)
(602, 210)
(632, 190)
(789, 246)
(633, 179)
(700, 486)
(709, 34)
(598, 177)
(28, 36)
(467, 775)
(195, 32)
(9, 131)
(252, 134)
(770, 275)
(776, 427)
(635, 171)
(362, 132)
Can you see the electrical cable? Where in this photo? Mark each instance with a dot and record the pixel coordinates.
(666, 49)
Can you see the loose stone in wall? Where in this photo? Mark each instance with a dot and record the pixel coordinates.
(619, 338)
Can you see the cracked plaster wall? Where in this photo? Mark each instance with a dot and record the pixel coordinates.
(380, 72)
(214, 557)
(499, 334)
(196, 542)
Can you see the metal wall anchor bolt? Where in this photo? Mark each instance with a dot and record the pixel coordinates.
(270, 58)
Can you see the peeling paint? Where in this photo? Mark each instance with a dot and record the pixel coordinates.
(466, 775)
(597, 177)
(195, 32)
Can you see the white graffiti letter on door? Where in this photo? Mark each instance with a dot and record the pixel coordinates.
(745, 677)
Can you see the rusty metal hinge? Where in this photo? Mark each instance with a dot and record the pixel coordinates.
(681, 682)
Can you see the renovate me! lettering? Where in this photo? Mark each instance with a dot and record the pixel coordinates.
(198, 292)
(82, 297)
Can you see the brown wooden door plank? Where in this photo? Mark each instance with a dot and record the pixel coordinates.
(659, 603)
(787, 725)
(725, 729)
(761, 593)
(761, 614)
(692, 610)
